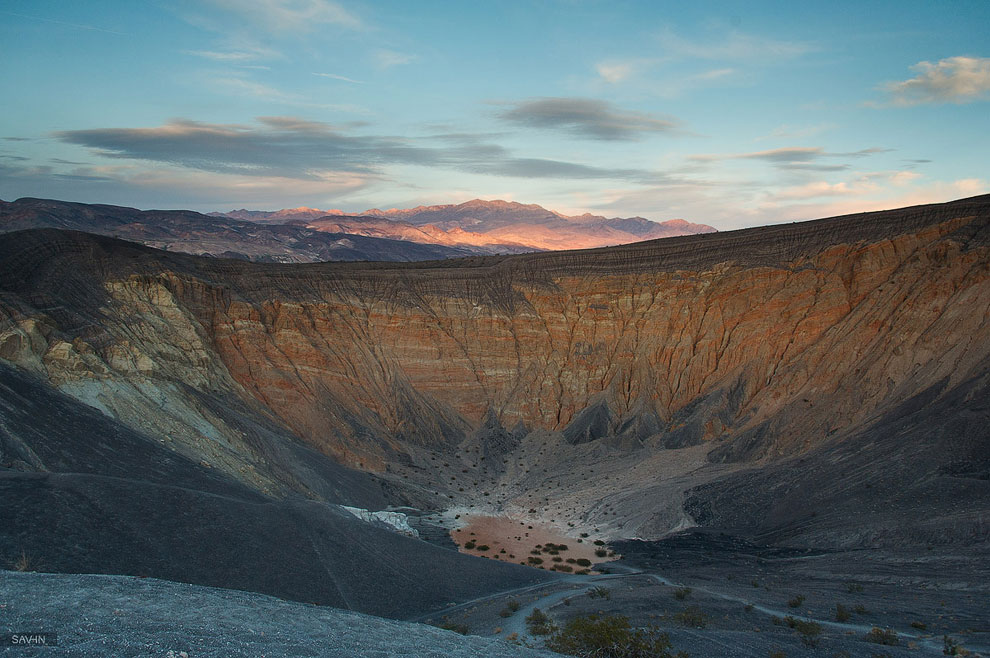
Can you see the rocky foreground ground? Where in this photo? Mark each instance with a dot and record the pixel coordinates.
(96, 616)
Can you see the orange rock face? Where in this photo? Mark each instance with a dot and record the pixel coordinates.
(793, 333)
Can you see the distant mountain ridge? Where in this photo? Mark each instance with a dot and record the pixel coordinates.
(226, 237)
(502, 226)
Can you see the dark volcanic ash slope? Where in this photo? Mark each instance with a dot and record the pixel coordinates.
(758, 348)
(81, 493)
(191, 232)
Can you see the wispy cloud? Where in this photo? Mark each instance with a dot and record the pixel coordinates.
(951, 80)
(792, 157)
(731, 45)
(334, 76)
(292, 16)
(614, 71)
(386, 59)
(297, 148)
(587, 118)
(78, 26)
(788, 131)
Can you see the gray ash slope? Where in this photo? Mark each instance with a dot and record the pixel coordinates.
(90, 495)
(97, 616)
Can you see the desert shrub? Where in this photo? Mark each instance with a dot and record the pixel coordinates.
(841, 613)
(808, 630)
(600, 552)
(682, 593)
(885, 636)
(534, 560)
(557, 559)
(796, 601)
(539, 624)
(483, 547)
(860, 609)
(951, 647)
(600, 593)
(599, 542)
(609, 637)
(457, 628)
(512, 605)
(566, 568)
(919, 625)
(24, 562)
(470, 544)
(692, 617)
(583, 562)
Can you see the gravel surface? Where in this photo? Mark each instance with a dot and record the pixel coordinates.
(97, 615)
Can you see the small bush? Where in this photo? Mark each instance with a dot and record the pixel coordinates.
(583, 562)
(682, 593)
(600, 552)
(919, 625)
(854, 588)
(600, 593)
(796, 601)
(599, 542)
(483, 547)
(23, 563)
(512, 605)
(951, 647)
(841, 613)
(609, 637)
(692, 617)
(808, 630)
(885, 636)
(470, 545)
(539, 624)
(860, 609)
(534, 560)
(457, 628)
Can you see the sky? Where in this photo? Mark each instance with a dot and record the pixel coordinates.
(731, 114)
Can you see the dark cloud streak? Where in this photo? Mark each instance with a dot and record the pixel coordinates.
(586, 118)
(302, 149)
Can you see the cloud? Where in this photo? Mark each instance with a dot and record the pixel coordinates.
(217, 56)
(386, 59)
(614, 71)
(157, 186)
(952, 80)
(334, 76)
(587, 118)
(733, 46)
(292, 16)
(301, 149)
(792, 157)
(786, 154)
(788, 131)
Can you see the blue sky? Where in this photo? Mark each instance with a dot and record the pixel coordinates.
(731, 114)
